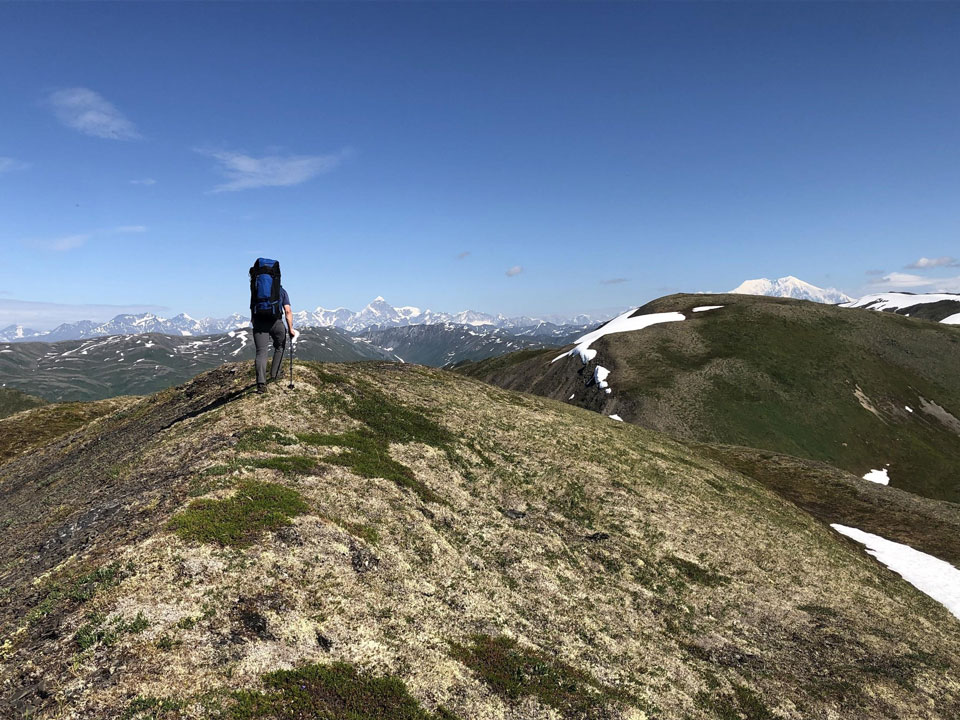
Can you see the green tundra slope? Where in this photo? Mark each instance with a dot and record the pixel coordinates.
(860, 390)
(13, 401)
(391, 541)
(29, 429)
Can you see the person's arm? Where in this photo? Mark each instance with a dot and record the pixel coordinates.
(289, 313)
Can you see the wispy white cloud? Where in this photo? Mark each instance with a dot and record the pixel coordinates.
(876, 272)
(9, 164)
(916, 283)
(244, 172)
(65, 242)
(925, 263)
(92, 114)
(614, 281)
(47, 315)
(72, 242)
(143, 181)
(515, 270)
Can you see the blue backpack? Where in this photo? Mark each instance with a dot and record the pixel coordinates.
(265, 290)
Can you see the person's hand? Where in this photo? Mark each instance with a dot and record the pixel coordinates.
(294, 334)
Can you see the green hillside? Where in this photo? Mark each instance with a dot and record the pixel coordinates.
(391, 541)
(13, 401)
(103, 367)
(810, 380)
(445, 344)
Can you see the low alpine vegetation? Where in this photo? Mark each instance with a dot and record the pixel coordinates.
(330, 691)
(98, 630)
(262, 437)
(513, 672)
(366, 451)
(239, 519)
(81, 589)
(368, 456)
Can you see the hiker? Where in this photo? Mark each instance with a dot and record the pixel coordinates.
(269, 304)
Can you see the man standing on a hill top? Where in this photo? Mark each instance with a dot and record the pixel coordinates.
(269, 304)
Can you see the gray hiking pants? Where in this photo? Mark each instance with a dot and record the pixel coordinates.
(263, 334)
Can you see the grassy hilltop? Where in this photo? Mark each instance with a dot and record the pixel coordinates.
(858, 389)
(390, 541)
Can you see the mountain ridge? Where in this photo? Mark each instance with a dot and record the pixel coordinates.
(433, 548)
(377, 313)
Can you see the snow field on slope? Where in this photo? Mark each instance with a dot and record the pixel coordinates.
(932, 576)
(952, 319)
(621, 323)
(897, 300)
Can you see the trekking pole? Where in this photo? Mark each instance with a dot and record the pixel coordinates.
(293, 346)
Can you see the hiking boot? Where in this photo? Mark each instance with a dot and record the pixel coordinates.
(261, 388)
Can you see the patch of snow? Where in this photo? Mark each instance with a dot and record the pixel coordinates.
(909, 409)
(616, 417)
(243, 341)
(569, 398)
(704, 308)
(600, 375)
(878, 476)
(897, 300)
(937, 578)
(621, 323)
(952, 319)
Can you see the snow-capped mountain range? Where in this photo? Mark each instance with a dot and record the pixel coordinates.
(791, 287)
(377, 314)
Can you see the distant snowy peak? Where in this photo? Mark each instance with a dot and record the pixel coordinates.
(791, 287)
(381, 314)
(13, 333)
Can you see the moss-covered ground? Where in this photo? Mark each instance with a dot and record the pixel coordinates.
(238, 520)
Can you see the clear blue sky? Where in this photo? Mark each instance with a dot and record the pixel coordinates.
(613, 152)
